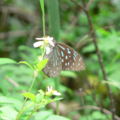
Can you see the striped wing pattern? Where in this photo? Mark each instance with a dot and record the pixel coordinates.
(54, 65)
(71, 60)
(63, 57)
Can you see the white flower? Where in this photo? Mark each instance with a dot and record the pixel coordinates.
(49, 88)
(41, 41)
(38, 44)
(56, 93)
(51, 91)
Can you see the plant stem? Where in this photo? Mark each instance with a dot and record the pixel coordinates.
(57, 107)
(34, 110)
(23, 106)
(43, 15)
(43, 20)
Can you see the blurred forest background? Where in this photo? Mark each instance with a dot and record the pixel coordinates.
(86, 95)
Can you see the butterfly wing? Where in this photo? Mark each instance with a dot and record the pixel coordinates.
(54, 65)
(71, 60)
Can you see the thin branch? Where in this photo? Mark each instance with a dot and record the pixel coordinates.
(66, 108)
(89, 3)
(15, 84)
(76, 3)
(85, 7)
(84, 41)
(100, 60)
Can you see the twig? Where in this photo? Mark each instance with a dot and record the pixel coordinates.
(88, 4)
(15, 84)
(84, 41)
(93, 36)
(100, 60)
(66, 108)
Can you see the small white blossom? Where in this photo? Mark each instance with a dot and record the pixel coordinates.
(38, 44)
(50, 40)
(51, 91)
(49, 88)
(41, 41)
(56, 93)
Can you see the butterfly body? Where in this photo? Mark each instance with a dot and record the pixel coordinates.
(61, 57)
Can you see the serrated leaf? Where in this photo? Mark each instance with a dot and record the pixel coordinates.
(41, 64)
(39, 96)
(29, 95)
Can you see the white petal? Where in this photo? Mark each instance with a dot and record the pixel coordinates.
(51, 41)
(40, 38)
(38, 44)
(56, 93)
(48, 38)
(49, 88)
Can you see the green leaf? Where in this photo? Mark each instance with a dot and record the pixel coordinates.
(43, 15)
(40, 96)
(29, 95)
(11, 101)
(98, 115)
(115, 84)
(69, 74)
(26, 63)
(53, 100)
(57, 117)
(43, 115)
(42, 5)
(7, 113)
(53, 18)
(6, 61)
(41, 64)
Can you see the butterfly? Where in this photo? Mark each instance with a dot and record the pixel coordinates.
(60, 57)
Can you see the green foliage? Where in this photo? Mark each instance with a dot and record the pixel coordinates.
(21, 65)
(53, 117)
(96, 115)
(43, 15)
(41, 64)
(6, 61)
(109, 45)
(53, 18)
(9, 107)
(8, 113)
(48, 115)
(36, 102)
(69, 74)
